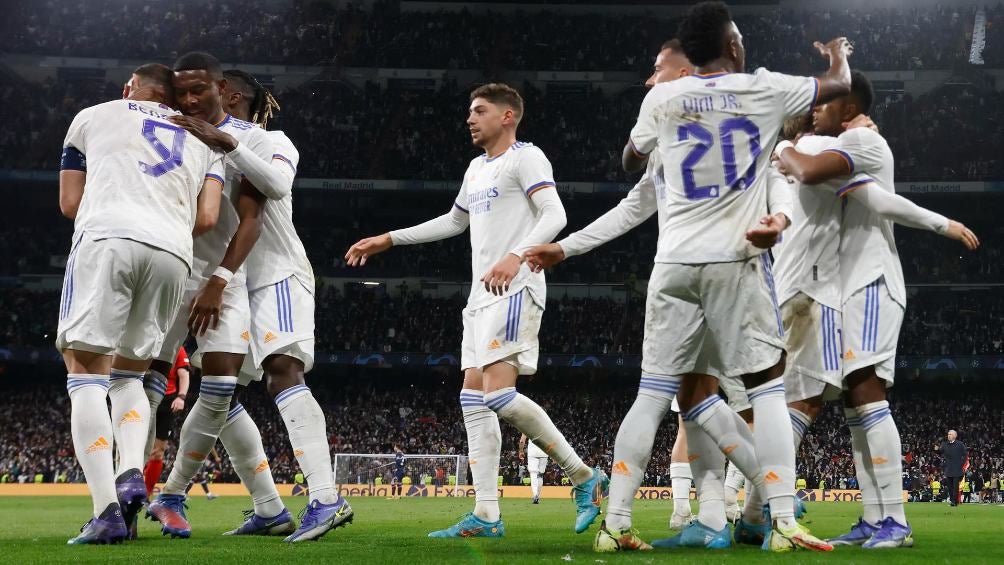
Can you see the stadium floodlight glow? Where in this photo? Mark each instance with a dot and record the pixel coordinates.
(370, 283)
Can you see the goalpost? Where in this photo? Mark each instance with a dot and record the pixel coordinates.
(365, 468)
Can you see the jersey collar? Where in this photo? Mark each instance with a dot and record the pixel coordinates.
(710, 75)
(224, 121)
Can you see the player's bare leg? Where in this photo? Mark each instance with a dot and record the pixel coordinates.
(87, 383)
(529, 418)
(198, 436)
(308, 436)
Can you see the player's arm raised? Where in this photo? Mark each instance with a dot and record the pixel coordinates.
(837, 80)
(208, 303)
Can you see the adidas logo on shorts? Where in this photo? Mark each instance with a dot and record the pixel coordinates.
(494, 344)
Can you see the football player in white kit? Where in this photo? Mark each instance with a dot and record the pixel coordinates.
(714, 299)
(281, 284)
(857, 165)
(219, 311)
(509, 200)
(136, 186)
(636, 436)
(536, 465)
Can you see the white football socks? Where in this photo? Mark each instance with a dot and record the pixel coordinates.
(886, 455)
(633, 446)
(535, 483)
(91, 429)
(484, 448)
(680, 477)
(800, 422)
(529, 418)
(734, 481)
(308, 435)
(200, 430)
(130, 418)
(775, 449)
(154, 385)
(707, 461)
(865, 472)
(242, 440)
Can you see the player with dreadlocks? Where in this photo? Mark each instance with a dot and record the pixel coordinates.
(281, 286)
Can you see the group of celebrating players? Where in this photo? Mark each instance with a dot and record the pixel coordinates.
(776, 278)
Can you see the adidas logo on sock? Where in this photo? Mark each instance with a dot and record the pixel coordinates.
(100, 444)
(262, 467)
(771, 477)
(298, 453)
(131, 416)
(195, 455)
(621, 468)
(729, 448)
(879, 460)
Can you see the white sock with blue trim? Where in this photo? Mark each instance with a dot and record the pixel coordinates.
(130, 418)
(864, 470)
(529, 418)
(484, 449)
(91, 429)
(775, 449)
(154, 385)
(707, 462)
(200, 430)
(734, 481)
(633, 447)
(800, 422)
(308, 435)
(242, 440)
(886, 456)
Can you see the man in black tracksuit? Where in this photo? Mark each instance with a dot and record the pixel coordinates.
(954, 454)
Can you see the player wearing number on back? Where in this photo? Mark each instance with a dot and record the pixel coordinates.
(713, 132)
(136, 186)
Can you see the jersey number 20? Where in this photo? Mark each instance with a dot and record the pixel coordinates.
(171, 158)
(705, 141)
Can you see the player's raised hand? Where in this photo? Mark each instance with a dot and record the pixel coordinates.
(499, 277)
(835, 46)
(959, 232)
(206, 132)
(545, 256)
(768, 231)
(861, 121)
(206, 307)
(364, 248)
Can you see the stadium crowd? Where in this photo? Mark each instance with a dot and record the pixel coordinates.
(424, 419)
(307, 32)
(397, 133)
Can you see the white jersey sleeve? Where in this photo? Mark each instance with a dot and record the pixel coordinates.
(645, 133)
(75, 134)
(797, 95)
(272, 176)
(638, 206)
(863, 149)
(534, 171)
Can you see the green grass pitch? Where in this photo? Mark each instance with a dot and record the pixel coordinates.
(393, 532)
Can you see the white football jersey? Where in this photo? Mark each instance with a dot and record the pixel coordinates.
(211, 246)
(807, 259)
(867, 245)
(279, 253)
(714, 133)
(144, 174)
(497, 193)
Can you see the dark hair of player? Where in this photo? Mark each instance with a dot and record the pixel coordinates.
(200, 61)
(261, 104)
(862, 91)
(161, 75)
(502, 95)
(701, 32)
(673, 45)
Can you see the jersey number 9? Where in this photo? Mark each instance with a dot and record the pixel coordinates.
(171, 158)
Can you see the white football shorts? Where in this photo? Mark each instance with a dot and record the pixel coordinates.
(505, 330)
(282, 322)
(232, 335)
(872, 320)
(814, 336)
(536, 465)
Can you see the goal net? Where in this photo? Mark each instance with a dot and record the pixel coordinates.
(446, 471)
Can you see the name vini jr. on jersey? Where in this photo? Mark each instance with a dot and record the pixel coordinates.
(710, 103)
(480, 202)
